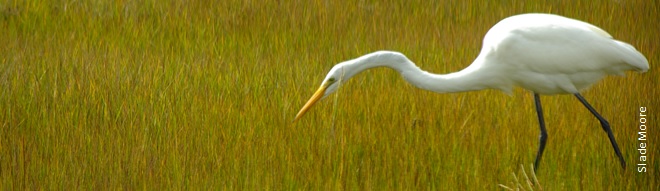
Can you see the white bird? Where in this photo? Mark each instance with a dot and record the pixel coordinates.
(544, 53)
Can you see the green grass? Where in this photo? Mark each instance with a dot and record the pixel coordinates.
(186, 94)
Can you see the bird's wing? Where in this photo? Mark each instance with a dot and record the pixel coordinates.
(553, 44)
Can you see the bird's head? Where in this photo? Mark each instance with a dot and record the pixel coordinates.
(330, 84)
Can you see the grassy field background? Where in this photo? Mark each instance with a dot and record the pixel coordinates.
(150, 94)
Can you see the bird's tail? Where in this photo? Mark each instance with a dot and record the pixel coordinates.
(632, 57)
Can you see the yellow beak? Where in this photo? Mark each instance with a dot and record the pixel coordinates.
(316, 97)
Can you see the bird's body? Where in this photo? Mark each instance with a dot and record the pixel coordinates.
(543, 53)
(550, 54)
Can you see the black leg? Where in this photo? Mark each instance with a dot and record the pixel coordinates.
(606, 127)
(544, 135)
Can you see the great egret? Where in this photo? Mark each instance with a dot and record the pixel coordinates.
(544, 53)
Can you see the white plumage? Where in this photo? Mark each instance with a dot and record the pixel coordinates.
(543, 53)
(550, 54)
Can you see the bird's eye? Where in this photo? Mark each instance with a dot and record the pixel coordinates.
(331, 80)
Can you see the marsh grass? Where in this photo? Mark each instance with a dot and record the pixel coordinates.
(201, 94)
(527, 183)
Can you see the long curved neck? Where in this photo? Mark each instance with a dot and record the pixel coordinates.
(468, 79)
